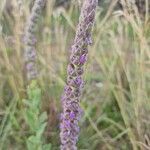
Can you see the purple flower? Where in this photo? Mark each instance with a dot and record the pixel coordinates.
(83, 58)
(30, 66)
(72, 115)
(30, 55)
(30, 39)
(69, 126)
(78, 81)
(71, 70)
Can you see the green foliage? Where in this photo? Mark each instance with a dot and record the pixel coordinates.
(35, 119)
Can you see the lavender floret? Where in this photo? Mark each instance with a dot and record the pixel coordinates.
(30, 39)
(71, 97)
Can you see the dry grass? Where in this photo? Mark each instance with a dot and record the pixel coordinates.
(116, 95)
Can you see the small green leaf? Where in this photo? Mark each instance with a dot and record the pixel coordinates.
(32, 143)
(31, 119)
(41, 129)
(43, 117)
(47, 147)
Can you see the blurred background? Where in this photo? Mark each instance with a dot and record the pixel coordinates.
(116, 96)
